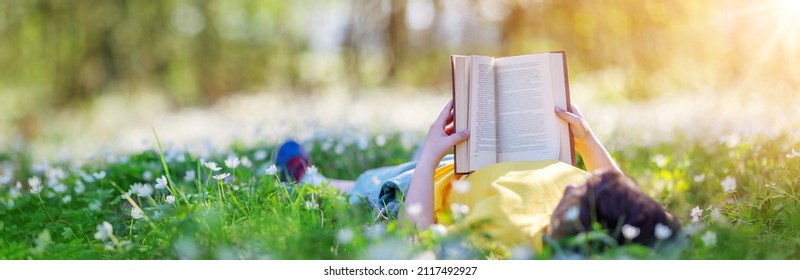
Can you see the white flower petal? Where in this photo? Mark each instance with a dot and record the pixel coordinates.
(414, 209)
(161, 182)
(572, 214)
(630, 232)
(438, 230)
(345, 236)
(662, 231)
(272, 170)
(729, 184)
(461, 186)
(221, 176)
(709, 239)
(136, 213)
(696, 213)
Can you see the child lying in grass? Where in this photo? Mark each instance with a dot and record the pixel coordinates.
(513, 203)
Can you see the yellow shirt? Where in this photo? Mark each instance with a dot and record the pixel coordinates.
(510, 202)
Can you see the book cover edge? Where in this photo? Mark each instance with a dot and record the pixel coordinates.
(569, 102)
(453, 86)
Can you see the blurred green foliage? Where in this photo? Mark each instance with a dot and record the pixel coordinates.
(197, 51)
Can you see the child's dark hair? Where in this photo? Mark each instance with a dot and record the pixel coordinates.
(613, 200)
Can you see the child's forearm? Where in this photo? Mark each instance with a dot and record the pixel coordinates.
(595, 155)
(420, 195)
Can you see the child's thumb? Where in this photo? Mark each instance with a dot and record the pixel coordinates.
(458, 137)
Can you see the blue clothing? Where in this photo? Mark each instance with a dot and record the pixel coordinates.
(383, 188)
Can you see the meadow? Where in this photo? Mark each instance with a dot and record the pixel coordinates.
(736, 197)
(148, 129)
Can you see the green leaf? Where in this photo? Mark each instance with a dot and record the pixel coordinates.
(67, 233)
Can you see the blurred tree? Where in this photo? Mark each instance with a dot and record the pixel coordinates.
(198, 51)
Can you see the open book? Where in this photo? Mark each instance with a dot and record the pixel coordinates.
(508, 105)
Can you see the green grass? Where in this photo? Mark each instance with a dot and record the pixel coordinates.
(252, 216)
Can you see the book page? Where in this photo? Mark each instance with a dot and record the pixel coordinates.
(460, 67)
(483, 138)
(526, 121)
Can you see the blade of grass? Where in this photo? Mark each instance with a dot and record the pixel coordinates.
(171, 187)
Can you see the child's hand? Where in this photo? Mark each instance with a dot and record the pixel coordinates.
(594, 154)
(442, 136)
(578, 125)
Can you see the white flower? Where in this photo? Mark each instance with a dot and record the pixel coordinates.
(246, 162)
(414, 210)
(729, 184)
(99, 175)
(170, 199)
(137, 213)
(345, 236)
(232, 162)
(221, 176)
(696, 213)
(87, 178)
(716, 215)
(662, 231)
(161, 182)
(459, 210)
(699, 178)
(339, 149)
(572, 214)
(363, 142)
(79, 187)
(660, 160)
(212, 165)
(60, 188)
(145, 190)
(522, 252)
(793, 154)
(311, 170)
(126, 195)
(260, 155)
(730, 140)
(271, 170)
(311, 205)
(66, 199)
(189, 176)
(630, 232)
(709, 239)
(104, 231)
(147, 175)
(380, 140)
(55, 174)
(141, 190)
(376, 231)
(36, 184)
(7, 174)
(16, 191)
(693, 228)
(438, 230)
(461, 186)
(95, 205)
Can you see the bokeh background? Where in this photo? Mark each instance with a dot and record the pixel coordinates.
(77, 77)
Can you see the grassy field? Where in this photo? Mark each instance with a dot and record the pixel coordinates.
(736, 198)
